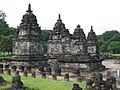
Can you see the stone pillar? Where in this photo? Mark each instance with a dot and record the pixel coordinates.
(79, 78)
(1, 68)
(76, 72)
(9, 71)
(13, 68)
(2, 81)
(48, 70)
(28, 69)
(41, 69)
(57, 71)
(76, 87)
(89, 84)
(25, 73)
(6, 67)
(66, 77)
(17, 72)
(33, 74)
(43, 75)
(21, 68)
(54, 77)
(89, 67)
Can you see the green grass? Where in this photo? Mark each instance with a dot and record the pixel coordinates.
(115, 54)
(42, 84)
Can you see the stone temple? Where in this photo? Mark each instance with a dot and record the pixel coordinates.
(65, 50)
(71, 50)
(27, 45)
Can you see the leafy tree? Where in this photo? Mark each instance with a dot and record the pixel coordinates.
(115, 37)
(2, 15)
(106, 38)
(109, 34)
(45, 34)
(6, 34)
(114, 47)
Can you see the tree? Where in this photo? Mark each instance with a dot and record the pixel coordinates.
(6, 34)
(109, 34)
(114, 47)
(106, 38)
(2, 15)
(45, 34)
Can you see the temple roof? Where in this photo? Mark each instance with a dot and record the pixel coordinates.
(29, 17)
(65, 33)
(91, 35)
(78, 33)
(59, 25)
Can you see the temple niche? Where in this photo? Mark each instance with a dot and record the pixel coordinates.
(27, 45)
(72, 50)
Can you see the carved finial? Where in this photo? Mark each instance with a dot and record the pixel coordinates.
(78, 25)
(59, 18)
(29, 8)
(91, 28)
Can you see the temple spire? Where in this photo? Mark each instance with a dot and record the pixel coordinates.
(91, 28)
(78, 25)
(59, 18)
(29, 8)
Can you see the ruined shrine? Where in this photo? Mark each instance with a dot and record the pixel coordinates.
(65, 50)
(27, 44)
(71, 50)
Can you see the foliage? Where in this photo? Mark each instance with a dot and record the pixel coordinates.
(114, 47)
(45, 34)
(2, 15)
(43, 84)
(6, 34)
(106, 38)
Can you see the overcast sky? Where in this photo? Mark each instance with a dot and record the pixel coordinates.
(103, 15)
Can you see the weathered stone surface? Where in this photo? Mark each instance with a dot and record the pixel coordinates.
(89, 84)
(66, 77)
(54, 77)
(48, 70)
(74, 48)
(6, 67)
(92, 46)
(21, 68)
(76, 87)
(97, 83)
(41, 69)
(25, 73)
(1, 68)
(43, 75)
(9, 71)
(17, 83)
(2, 81)
(79, 78)
(76, 71)
(27, 45)
(33, 74)
(13, 68)
(111, 82)
(28, 69)
(57, 71)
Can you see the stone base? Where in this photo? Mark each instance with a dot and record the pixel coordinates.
(27, 58)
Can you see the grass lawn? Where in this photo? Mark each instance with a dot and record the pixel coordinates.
(115, 54)
(42, 84)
